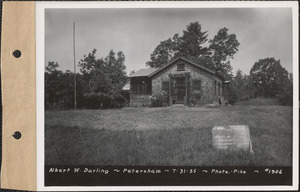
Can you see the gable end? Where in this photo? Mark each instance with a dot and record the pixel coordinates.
(185, 60)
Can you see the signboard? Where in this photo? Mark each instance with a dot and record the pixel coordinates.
(233, 137)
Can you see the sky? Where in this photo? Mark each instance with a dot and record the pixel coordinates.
(262, 33)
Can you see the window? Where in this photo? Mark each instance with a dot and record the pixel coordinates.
(165, 86)
(141, 88)
(180, 67)
(134, 89)
(197, 85)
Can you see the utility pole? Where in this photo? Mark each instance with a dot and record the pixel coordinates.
(74, 66)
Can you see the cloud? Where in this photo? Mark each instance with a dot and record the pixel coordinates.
(262, 32)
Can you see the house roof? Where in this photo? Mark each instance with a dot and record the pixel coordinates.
(188, 61)
(126, 87)
(204, 64)
(143, 72)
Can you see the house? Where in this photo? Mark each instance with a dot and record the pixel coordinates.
(179, 82)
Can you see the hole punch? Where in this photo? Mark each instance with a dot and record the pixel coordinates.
(17, 53)
(17, 135)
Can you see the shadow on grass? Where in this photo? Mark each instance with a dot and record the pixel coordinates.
(165, 147)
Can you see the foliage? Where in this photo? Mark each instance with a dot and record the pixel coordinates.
(158, 100)
(232, 94)
(259, 101)
(131, 72)
(285, 95)
(241, 88)
(59, 87)
(103, 100)
(190, 44)
(224, 46)
(269, 77)
(104, 75)
(98, 85)
(162, 54)
(200, 98)
(194, 100)
(205, 61)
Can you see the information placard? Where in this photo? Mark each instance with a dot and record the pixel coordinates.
(233, 137)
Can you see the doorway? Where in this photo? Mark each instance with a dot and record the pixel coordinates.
(179, 90)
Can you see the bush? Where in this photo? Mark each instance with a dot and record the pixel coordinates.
(195, 100)
(158, 100)
(102, 100)
(259, 101)
(200, 98)
(285, 96)
(232, 98)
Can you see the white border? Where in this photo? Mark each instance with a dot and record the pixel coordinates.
(40, 18)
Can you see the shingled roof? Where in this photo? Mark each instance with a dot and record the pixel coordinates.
(143, 72)
(203, 66)
(203, 63)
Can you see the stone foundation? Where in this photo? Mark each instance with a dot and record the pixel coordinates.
(140, 100)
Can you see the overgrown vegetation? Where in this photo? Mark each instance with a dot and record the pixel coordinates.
(259, 101)
(159, 100)
(98, 85)
(166, 136)
(192, 45)
(100, 81)
(267, 79)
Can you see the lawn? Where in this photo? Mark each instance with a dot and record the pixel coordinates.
(176, 136)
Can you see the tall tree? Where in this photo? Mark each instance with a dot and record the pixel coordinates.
(190, 44)
(269, 77)
(94, 73)
(224, 46)
(243, 87)
(163, 53)
(52, 67)
(105, 78)
(59, 87)
(116, 69)
(52, 83)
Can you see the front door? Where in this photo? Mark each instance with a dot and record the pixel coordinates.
(179, 90)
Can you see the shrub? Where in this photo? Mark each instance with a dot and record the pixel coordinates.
(232, 94)
(285, 96)
(102, 100)
(195, 100)
(232, 98)
(158, 100)
(259, 101)
(200, 98)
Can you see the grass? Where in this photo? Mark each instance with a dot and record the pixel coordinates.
(258, 101)
(166, 136)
